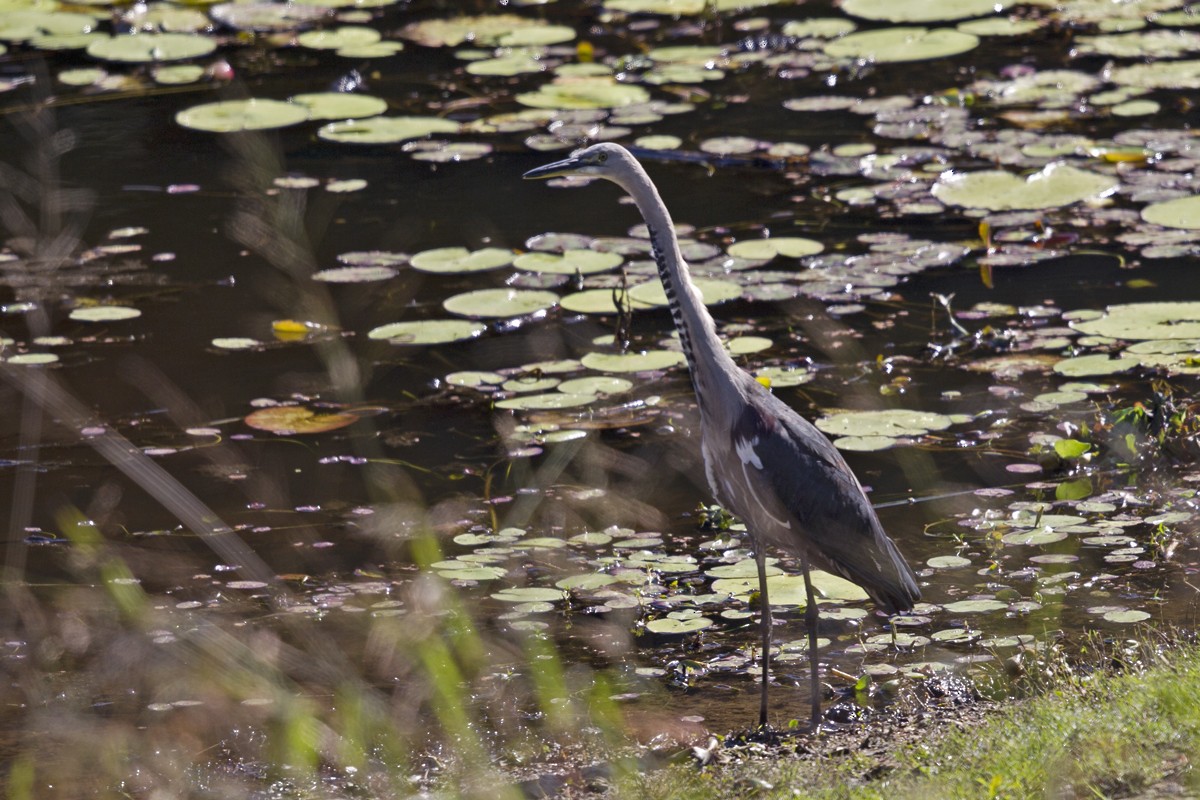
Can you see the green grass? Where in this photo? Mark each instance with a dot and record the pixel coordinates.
(1098, 736)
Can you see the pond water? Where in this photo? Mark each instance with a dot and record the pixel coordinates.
(779, 134)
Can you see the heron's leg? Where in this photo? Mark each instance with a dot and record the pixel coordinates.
(764, 612)
(811, 618)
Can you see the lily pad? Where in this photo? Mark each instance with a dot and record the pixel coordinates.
(340, 105)
(1054, 186)
(385, 130)
(765, 249)
(668, 626)
(895, 45)
(499, 303)
(921, 10)
(1183, 212)
(892, 423)
(651, 293)
(143, 47)
(241, 115)
(461, 260)
(529, 594)
(584, 93)
(650, 360)
(293, 420)
(571, 262)
(428, 331)
(104, 313)
(1145, 321)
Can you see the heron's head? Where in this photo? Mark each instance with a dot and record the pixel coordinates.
(604, 160)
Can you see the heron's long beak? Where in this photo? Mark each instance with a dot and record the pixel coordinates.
(568, 166)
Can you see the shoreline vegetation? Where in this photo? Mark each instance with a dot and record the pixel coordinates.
(1119, 720)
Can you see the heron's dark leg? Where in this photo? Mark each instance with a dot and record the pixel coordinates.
(764, 611)
(811, 618)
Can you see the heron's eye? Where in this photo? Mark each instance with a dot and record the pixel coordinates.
(602, 157)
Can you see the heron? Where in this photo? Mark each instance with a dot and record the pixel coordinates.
(764, 462)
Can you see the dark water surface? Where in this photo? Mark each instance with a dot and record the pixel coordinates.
(318, 505)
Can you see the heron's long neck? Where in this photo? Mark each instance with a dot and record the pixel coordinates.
(706, 356)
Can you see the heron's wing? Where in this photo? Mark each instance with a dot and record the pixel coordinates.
(797, 492)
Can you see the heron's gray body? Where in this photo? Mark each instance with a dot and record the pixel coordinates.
(764, 462)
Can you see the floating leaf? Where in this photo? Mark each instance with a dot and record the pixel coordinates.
(975, 606)
(354, 274)
(497, 303)
(584, 93)
(921, 10)
(546, 402)
(1140, 321)
(894, 45)
(1054, 186)
(892, 423)
(428, 331)
(241, 115)
(1183, 212)
(291, 420)
(141, 47)
(571, 262)
(104, 313)
(339, 105)
(668, 626)
(650, 360)
(531, 594)
(385, 130)
(460, 260)
(765, 249)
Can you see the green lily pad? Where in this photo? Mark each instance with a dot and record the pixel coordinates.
(484, 31)
(975, 606)
(1096, 364)
(948, 562)
(32, 359)
(1145, 321)
(584, 93)
(766, 249)
(892, 423)
(499, 303)
(1034, 537)
(354, 274)
(571, 262)
(546, 402)
(650, 360)
(340, 105)
(1174, 75)
(781, 377)
(337, 38)
(668, 626)
(586, 582)
(685, 7)
(385, 130)
(241, 115)
(597, 384)
(178, 74)
(235, 343)
(104, 313)
(1125, 617)
(1183, 212)
(1054, 186)
(461, 260)
(530, 594)
(427, 331)
(143, 47)
(921, 10)
(895, 45)
(714, 292)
